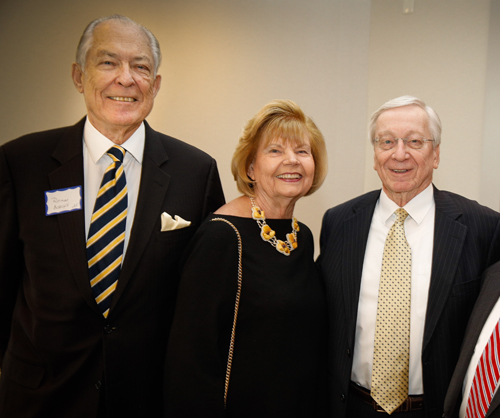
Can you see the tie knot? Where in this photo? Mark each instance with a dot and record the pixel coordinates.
(117, 153)
(401, 215)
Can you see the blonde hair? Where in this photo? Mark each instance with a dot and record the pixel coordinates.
(283, 119)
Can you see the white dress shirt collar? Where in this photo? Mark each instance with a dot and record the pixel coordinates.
(417, 207)
(97, 144)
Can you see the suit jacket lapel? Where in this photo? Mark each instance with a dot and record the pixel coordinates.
(449, 238)
(69, 153)
(356, 230)
(154, 185)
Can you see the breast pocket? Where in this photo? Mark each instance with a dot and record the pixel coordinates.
(467, 288)
(176, 235)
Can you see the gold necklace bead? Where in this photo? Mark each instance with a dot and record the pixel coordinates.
(267, 234)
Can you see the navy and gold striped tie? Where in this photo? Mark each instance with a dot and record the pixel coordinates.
(107, 231)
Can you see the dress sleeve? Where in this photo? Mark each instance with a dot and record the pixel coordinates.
(199, 338)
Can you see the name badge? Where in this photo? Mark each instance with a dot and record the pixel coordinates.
(63, 200)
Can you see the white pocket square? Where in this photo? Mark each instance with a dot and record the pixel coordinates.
(169, 224)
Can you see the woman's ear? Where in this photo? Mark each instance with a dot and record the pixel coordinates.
(250, 172)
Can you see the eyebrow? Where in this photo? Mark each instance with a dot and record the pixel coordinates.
(388, 132)
(139, 58)
(295, 146)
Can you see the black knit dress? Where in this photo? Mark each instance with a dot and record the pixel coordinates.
(280, 333)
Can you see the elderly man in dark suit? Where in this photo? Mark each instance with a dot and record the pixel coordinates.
(89, 269)
(402, 269)
(473, 390)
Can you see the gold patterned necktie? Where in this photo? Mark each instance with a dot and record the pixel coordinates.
(391, 354)
(107, 231)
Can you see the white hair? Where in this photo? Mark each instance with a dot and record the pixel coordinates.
(434, 121)
(87, 37)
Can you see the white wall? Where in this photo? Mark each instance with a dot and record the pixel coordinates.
(490, 165)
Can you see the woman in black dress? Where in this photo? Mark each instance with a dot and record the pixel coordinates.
(277, 349)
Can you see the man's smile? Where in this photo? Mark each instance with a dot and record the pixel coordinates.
(122, 99)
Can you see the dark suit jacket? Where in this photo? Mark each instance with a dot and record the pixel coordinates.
(490, 292)
(56, 348)
(466, 242)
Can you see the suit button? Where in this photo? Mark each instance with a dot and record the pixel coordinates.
(98, 385)
(108, 329)
(348, 352)
(342, 397)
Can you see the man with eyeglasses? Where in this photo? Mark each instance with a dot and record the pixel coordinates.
(402, 269)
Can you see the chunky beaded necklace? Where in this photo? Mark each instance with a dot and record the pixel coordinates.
(268, 235)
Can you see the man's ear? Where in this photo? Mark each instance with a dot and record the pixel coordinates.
(436, 157)
(77, 75)
(156, 85)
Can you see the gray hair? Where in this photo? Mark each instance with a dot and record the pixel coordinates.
(434, 121)
(86, 40)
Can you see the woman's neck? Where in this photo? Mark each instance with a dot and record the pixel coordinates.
(274, 208)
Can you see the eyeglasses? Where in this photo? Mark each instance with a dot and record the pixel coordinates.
(388, 142)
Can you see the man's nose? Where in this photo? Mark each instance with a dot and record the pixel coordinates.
(125, 76)
(400, 152)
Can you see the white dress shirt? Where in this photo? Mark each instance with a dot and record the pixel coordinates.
(483, 339)
(419, 230)
(95, 163)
